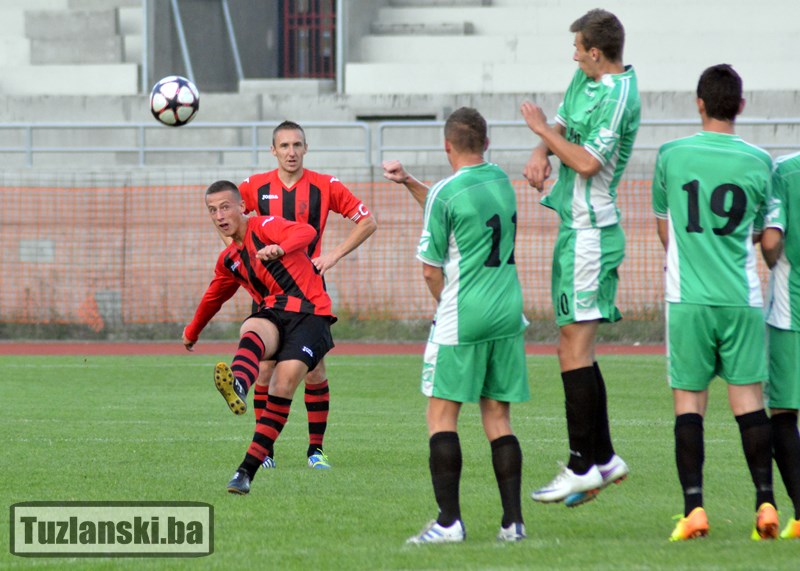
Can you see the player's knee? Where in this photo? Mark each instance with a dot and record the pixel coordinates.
(263, 377)
(316, 376)
(283, 386)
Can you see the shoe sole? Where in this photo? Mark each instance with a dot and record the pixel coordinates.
(769, 531)
(769, 528)
(698, 533)
(790, 536)
(511, 539)
(237, 492)
(589, 493)
(223, 380)
(792, 531)
(415, 541)
(580, 498)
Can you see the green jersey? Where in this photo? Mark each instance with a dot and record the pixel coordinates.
(713, 189)
(469, 230)
(783, 308)
(603, 117)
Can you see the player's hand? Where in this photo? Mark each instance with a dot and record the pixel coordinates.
(537, 170)
(534, 116)
(270, 252)
(394, 171)
(186, 343)
(324, 263)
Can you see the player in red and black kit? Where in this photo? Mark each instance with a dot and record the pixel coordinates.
(267, 256)
(295, 193)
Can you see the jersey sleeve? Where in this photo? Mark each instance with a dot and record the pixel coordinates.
(776, 214)
(659, 188)
(759, 222)
(290, 236)
(345, 202)
(247, 190)
(433, 243)
(220, 290)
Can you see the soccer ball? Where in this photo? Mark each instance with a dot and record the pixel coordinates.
(174, 101)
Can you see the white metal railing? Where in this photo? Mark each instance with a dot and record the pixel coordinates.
(153, 138)
(691, 125)
(257, 133)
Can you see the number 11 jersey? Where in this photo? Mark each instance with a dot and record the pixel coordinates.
(469, 230)
(713, 190)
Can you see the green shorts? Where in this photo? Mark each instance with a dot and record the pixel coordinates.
(584, 277)
(705, 341)
(783, 387)
(465, 373)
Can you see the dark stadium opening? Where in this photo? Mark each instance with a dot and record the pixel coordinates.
(424, 117)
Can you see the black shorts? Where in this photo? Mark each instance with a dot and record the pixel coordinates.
(303, 336)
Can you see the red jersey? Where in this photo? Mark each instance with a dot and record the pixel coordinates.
(309, 200)
(289, 283)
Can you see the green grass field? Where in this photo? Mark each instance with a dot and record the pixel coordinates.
(155, 429)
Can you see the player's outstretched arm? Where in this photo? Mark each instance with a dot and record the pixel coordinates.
(394, 171)
(220, 290)
(187, 342)
(362, 230)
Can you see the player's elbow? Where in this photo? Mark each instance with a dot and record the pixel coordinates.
(369, 224)
(588, 166)
(771, 245)
(434, 279)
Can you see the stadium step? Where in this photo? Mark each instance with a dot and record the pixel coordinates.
(423, 28)
(98, 79)
(447, 3)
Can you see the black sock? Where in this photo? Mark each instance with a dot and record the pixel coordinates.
(445, 464)
(756, 433)
(507, 463)
(603, 448)
(689, 458)
(786, 444)
(580, 400)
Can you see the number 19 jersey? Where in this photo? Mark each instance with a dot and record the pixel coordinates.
(469, 230)
(713, 189)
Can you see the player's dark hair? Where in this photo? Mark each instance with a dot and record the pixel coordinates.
(465, 128)
(602, 30)
(222, 186)
(288, 126)
(720, 88)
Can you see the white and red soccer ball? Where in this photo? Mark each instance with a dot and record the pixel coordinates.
(174, 100)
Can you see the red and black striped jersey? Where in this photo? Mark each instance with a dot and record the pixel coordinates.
(309, 200)
(289, 283)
